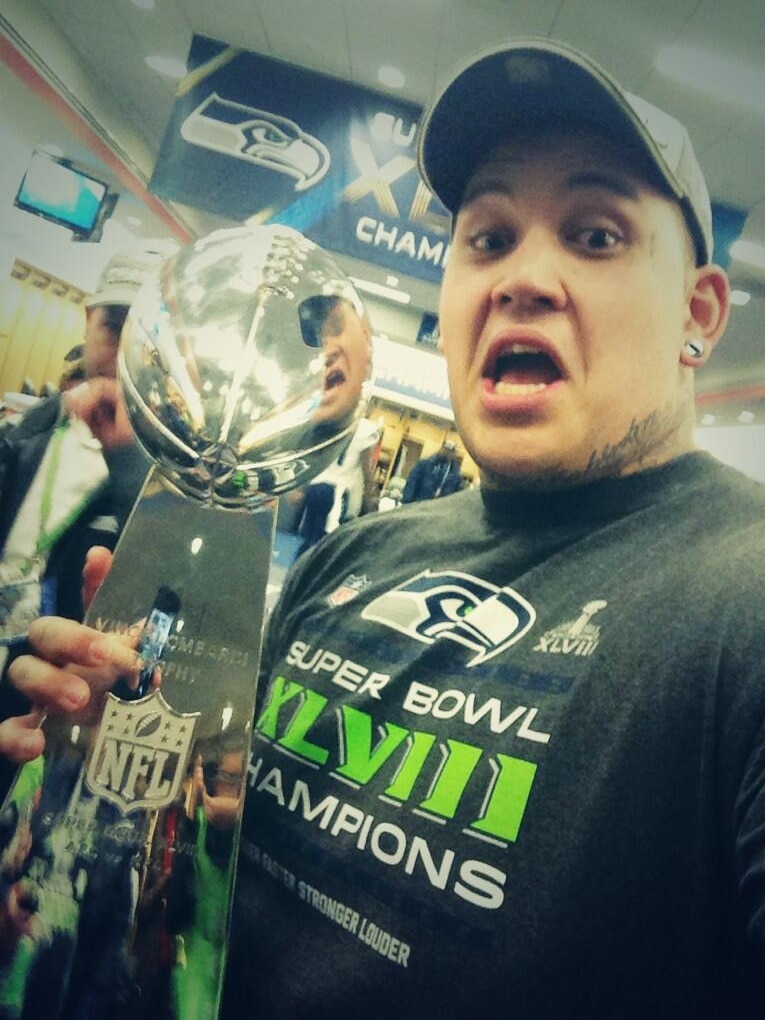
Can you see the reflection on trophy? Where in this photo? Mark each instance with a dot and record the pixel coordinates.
(223, 366)
(120, 842)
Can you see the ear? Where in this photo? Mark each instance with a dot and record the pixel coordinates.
(708, 311)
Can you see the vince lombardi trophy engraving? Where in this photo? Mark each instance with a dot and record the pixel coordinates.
(118, 845)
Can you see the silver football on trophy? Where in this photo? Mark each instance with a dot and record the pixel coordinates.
(243, 364)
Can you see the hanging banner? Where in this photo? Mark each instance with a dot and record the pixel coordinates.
(251, 136)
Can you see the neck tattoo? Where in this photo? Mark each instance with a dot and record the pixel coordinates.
(646, 443)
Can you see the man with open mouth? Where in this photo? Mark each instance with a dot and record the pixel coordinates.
(347, 346)
(345, 489)
(510, 744)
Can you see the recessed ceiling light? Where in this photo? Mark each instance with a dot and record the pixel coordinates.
(746, 417)
(134, 221)
(391, 76)
(170, 67)
(704, 70)
(391, 281)
(708, 419)
(749, 251)
(740, 297)
(145, 5)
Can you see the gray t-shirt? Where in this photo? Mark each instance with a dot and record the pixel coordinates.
(509, 761)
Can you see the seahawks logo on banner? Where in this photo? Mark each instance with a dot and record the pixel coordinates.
(259, 137)
(449, 605)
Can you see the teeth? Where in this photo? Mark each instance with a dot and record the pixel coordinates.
(518, 389)
(524, 349)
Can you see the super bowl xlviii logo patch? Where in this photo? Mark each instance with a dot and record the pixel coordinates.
(575, 637)
(139, 756)
(450, 605)
(352, 586)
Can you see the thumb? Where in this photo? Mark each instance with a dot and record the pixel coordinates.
(21, 738)
(98, 562)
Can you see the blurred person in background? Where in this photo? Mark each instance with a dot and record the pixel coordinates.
(67, 479)
(431, 477)
(346, 489)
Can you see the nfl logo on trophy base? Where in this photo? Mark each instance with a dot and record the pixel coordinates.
(139, 756)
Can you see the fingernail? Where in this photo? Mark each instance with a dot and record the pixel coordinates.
(99, 650)
(76, 695)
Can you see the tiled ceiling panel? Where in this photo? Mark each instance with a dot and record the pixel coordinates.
(309, 34)
(624, 36)
(402, 34)
(471, 25)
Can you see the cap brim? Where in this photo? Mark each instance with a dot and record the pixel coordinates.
(115, 296)
(517, 86)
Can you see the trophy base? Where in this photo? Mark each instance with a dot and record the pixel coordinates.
(119, 843)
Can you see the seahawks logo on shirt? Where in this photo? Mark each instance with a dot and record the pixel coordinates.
(451, 605)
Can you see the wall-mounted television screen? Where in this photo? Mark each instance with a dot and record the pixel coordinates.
(53, 189)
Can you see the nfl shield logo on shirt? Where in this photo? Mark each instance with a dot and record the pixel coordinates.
(349, 589)
(140, 754)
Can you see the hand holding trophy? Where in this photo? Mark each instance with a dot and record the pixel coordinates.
(119, 842)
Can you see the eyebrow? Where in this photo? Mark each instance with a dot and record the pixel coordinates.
(586, 179)
(617, 183)
(487, 186)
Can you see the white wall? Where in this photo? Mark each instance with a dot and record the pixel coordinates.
(46, 245)
(741, 446)
(54, 52)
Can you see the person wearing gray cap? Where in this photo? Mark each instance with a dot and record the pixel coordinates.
(65, 485)
(509, 755)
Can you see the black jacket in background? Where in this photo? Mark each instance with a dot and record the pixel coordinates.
(432, 477)
(22, 448)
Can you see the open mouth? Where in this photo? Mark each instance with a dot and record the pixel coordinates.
(333, 376)
(520, 369)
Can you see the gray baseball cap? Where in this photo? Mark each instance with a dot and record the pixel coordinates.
(526, 82)
(124, 273)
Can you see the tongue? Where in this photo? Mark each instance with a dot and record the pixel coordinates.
(527, 370)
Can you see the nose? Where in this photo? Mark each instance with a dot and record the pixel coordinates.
(332, 347)
(529, 276)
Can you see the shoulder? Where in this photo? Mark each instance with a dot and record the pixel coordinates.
(406, 535)
(364, 438)
(41, 418)
(366, 432)
(434, 517)
(717, 559)
(731, 512)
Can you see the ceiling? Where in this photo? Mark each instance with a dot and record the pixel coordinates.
(350, 39)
